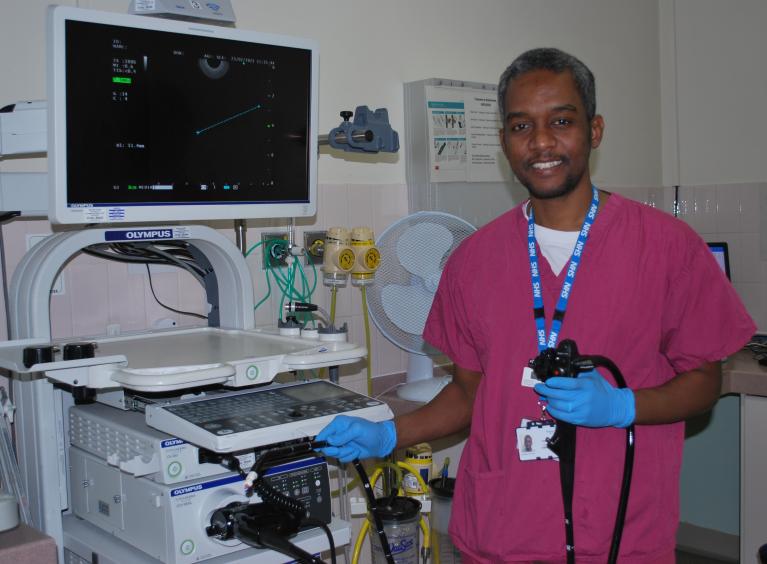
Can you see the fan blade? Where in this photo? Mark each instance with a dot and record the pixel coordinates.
(421, 248)
(407, 306)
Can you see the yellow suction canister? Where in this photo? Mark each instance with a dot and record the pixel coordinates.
(419, 457)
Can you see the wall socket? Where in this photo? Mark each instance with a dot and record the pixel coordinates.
(275, 253)
(314, 245)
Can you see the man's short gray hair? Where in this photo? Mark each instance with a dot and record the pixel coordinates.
(555, 60)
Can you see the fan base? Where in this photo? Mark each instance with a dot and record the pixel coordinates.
(423, 391)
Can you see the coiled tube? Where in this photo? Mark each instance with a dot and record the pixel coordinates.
(270, 495)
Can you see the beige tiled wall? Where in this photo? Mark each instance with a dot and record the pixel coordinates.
(730, 213)
(99, 294)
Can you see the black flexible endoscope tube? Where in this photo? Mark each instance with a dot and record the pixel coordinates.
(628, 461)
(270, 495)
(373, 510)
(260, 537)
(328, 533)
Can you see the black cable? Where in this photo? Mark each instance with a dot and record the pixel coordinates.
(173, 260)
(628, 461)
(173, 254)
(565, 361)
(269, 494)
(268, 524)
(266, 529)
(322, 525)
(277, 499)
(130, 259)
(151, 287)
(374, 510)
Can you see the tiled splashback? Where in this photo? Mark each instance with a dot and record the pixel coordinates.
(103, 295)
(730, 213)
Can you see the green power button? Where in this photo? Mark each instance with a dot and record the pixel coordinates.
(187, 547)
(174, 469)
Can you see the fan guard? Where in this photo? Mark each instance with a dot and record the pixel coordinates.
(414, 251)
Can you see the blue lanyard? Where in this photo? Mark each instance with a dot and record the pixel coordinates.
(564, 295)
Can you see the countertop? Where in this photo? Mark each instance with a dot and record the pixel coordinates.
(741, 374)
(24, 544)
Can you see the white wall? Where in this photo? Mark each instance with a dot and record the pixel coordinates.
(713, 88)
(721, 88)
(369, 49)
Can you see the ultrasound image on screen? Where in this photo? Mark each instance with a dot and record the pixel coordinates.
(168, 118)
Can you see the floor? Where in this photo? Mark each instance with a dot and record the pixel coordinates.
(690, 558)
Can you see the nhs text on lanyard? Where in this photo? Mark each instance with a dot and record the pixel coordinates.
(564, 296)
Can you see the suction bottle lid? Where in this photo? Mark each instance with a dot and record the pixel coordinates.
(397, 509)
(443, 487)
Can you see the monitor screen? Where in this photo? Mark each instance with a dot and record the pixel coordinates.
(722, 256)
(154, 120)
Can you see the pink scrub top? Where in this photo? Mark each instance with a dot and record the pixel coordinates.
(649, 296)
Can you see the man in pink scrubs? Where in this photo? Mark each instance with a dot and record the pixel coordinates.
(624, 281)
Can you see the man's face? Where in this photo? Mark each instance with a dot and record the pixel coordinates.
(546, 135)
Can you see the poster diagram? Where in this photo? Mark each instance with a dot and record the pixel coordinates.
(463, 135)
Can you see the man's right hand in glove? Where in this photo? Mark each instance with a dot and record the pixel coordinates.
(354, 437)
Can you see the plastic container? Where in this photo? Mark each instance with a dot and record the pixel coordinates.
(442, 549)
(420, 458)
(400, 516)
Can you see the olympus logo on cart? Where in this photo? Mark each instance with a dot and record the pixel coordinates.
(138, 234)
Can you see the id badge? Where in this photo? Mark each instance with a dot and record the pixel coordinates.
(533, 440)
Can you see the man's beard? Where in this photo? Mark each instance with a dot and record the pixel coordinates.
(569, 184)
(571, 181)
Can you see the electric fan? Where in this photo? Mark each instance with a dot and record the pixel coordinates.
(413, 250)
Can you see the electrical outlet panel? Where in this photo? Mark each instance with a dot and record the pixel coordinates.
(314, 244)
(275, 253)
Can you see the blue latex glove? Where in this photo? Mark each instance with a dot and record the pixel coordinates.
(354, 437)
(588, 400)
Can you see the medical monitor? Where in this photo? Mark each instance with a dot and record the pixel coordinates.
(722, 256)
(153, 120)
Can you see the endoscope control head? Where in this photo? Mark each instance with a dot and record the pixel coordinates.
(563, 361)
